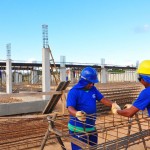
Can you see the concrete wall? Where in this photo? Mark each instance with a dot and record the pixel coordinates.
(22, 107)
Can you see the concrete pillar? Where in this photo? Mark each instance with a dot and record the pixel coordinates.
(52, 79)
(3, 77)
(16, 77)
(72, 76)
(8, 76)
(77, 75)
(62, 68)
(20, 78)
(136, 76)
(69, 74)
(45, 72)
(99, 76)
(0, 79)
(103, 71)
(34, 76)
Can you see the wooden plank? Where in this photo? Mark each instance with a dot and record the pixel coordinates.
(55, 98)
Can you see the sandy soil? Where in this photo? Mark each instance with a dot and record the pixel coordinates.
(68, 147)
(56, 146)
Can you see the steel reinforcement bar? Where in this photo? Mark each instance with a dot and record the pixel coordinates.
(123, 142)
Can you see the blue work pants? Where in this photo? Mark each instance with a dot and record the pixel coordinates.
(90, 138)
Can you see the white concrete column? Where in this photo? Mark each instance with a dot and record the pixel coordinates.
(103, 71)
(34, 76)
(72, 76)
(3, 77)
(62, 68)
(16, 77)
(136, 75)
(45, 72)
(20, 78)
(99, 76)
(77, 75)
(29, 76)
(0, 75)
(8, 76)
(69, 74)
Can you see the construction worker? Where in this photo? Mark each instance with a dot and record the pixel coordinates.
(81, 104)
(143, 100)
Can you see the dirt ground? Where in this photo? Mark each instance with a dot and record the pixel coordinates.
(68, 147)
(56, 146)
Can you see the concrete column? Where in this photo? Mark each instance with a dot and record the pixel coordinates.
(0, 79)
(103, 71)
(77, 75)
(20, 78)
(99, 76)
(34, 76)
(16, 77)
(52, 79)
(3, 77)
(71, 76)
(62, 68)
(45, 72)
(136, 76)
(8, 76)
(67, 74)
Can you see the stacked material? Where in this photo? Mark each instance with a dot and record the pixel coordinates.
(122, 93)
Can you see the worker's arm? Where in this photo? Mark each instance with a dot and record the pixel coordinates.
(106, 102)
(72, 111)
(128, 112)
(81, 115)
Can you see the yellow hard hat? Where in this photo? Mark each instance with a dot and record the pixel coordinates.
(144, 67)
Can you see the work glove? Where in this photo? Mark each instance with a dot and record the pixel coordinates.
(81, 115)
(115, 107)
(127, 106)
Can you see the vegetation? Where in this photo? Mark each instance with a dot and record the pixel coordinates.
(116, 71)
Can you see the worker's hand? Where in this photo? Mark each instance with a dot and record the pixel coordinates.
(115, 107)
(81, 115)
(127, 106)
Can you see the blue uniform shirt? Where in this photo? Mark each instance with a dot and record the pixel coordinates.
(143, 100)
(83, 100)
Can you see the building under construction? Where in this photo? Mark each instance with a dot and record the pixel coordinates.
(33, 113)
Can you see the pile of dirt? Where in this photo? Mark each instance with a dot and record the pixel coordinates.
(9, 100)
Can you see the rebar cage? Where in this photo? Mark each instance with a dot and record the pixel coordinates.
(114, 131)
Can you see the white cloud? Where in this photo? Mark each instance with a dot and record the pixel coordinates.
(146, 27)
(142, 29)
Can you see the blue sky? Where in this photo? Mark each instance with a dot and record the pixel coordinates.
(83, 31)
